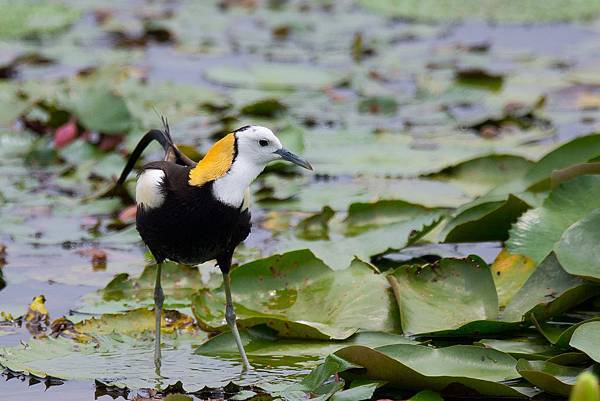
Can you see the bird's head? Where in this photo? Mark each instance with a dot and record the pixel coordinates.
(259, 145)
(236, 160)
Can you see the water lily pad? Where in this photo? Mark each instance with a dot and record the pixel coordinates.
(559, 333)
(579, 150)
(445, 295)
(300, 297)
(359, 152)
(476, 177)
(338, 251)
(304, 194)
(99, 109)
(510, 273)
(135, 322)
(585, 338)
(484, 220)
(34, 18)
(417, 367)
(426, 395)
(358, 392)
(273, 76)
(548, 291)
(264, 344)
(508, 10)
(552, 378)
(538, 230)
(577, 249)
(530, 348)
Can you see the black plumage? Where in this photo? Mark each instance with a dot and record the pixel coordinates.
(191, 226)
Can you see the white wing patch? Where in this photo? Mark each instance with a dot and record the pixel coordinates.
(148, 189)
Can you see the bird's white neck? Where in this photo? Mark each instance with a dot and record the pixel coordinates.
(231, 188)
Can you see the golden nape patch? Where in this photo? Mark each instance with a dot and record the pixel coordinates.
(216, 163)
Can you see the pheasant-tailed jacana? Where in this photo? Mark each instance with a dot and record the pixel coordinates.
(191, 212)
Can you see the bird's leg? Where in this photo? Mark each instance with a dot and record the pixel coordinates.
(231, 321)
(159, 297)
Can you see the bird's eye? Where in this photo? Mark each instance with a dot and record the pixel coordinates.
(263, 142)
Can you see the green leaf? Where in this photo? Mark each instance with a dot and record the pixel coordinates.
(339, 251)
(417, 367)
(426, 395)
(274, 76)
(358, 392)
(586, 337)
(261, 344)
(484, 220)
(552, 378)
(577, 249)
(362, 153)
(507, 10)
(99, 109)
(579, 150)
(478, 176)
(557, 333)
(445, 295)
(133, 323)
(521, 347)
(304, 194)
(510, 273)
(26, 18)
(299, 296)
(549, 291)
(538, 230)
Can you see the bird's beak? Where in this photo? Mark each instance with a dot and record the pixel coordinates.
(290, 157)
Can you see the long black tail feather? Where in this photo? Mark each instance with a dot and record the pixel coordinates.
(152, 135)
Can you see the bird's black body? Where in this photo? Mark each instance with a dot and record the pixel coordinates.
(191, 226)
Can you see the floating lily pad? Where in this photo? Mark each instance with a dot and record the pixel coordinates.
(508, 10)
(510, 273)
(99, 109)
(548, 292)
(577, 249)
(282, 291)
(530, 348)
(579, 150)
(555, 379)
(538, 230)
(585, 338)
(34, 18)
(261, 345)
(417, 367)
(478, 176)
(382, 154)
(445, 295)
(338, 251)
(484, 220)
(135, 322)
(273, 76)
(304, 194)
